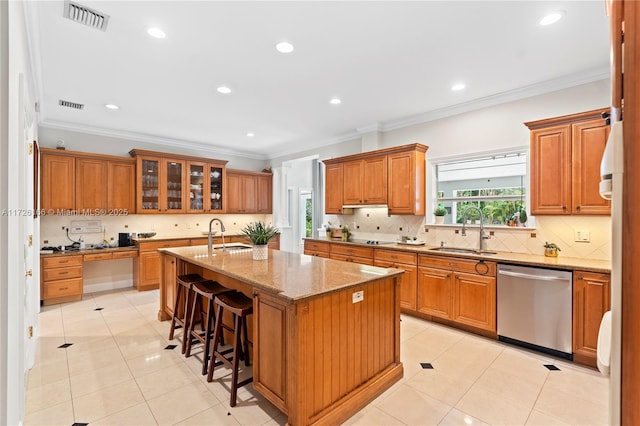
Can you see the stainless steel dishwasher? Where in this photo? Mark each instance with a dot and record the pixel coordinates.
(534, 308)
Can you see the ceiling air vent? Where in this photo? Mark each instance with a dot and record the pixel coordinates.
(86, 16)
(68, 104)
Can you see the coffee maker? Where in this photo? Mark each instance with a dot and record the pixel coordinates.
(124, 239)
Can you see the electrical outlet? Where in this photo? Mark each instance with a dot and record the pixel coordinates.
(582, 236)
(357, 296)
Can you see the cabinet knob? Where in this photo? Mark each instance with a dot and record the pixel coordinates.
(580, 277)
(564, 207)
(577, 207)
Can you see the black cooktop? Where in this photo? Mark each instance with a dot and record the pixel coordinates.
(370, 242)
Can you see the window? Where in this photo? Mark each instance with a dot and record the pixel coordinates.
(494, 184)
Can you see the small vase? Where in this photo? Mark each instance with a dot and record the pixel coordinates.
(261, 252)
(551, 252)
(439, 220)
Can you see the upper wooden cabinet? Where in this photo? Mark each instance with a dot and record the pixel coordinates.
(565, 164)
(87, 183)
(57, 181)
(333, 188)
(174, 183)
(249, 192)
(393, 176)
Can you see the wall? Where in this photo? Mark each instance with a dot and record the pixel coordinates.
(84, 142)
(106, 275)
(491, 129)
(297, 176)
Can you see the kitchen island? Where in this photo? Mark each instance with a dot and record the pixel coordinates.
(326, 334)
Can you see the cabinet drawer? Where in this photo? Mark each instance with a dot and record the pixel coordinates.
(125, 254)
(98, 256)
(317, 253)
(59, 261)
(62, 273)
(163, 244)
(62, 288)
(352, 259)
(480, 266)
(349, 250)
(317, 246)
(396, 256)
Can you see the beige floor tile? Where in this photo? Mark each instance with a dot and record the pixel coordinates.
(457, 418)
(47, 350)
(572, 409)
(44, 374)
(138, 415)
(61, 414)
(536, 418)
(106, 401)
(440, 386)
(491, 408)
(137, 325)
(279, 420)
(508, 386)
(216, 415)
(192, 399)
(94, 360)
(252, 408)
(459, 368)
(521, 364)
(100, 378)
(48, 395)
(413, 407)
(133, 346)
(409, 327)
(372, 416)
(166, 380)
(146, 364)
(590, 386)
(89, 345)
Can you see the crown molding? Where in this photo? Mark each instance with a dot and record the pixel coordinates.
(497, 99)
(323, 143)
(142, 137)
(376, 127)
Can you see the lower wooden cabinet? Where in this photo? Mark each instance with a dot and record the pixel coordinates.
(317, 248)
(591, 299)
(147, 268)
(408, 280)
(459, 290)
(61, 279)
(352, 253)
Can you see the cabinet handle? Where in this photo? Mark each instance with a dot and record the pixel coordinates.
(577, 207)
(564, 207)
(448, 276)
(63, 273)
(64, 288)
(580, 277)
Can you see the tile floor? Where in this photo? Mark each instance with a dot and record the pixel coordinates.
(117, 372)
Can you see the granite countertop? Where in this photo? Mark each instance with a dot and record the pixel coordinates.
(291, 276)
(560, 262)
(88, 251)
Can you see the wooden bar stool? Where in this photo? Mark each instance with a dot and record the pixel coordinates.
(209, 290)
(184, 284)
(240, 306)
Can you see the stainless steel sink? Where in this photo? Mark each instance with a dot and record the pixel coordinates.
(232, 246)
(463, 250)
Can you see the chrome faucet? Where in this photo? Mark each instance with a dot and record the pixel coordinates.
(210, 242)
(483, 235)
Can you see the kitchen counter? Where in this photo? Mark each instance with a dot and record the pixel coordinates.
(318, 325)
(88, 251)
(560, 262)
(183, 237)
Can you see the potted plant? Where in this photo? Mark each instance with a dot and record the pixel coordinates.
(327, 228)
(522, 218)
(551, 249)
(259, 233)
(440, 212)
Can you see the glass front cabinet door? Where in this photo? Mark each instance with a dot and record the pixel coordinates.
(215, 196)
(173, 200)
(149, 198)
(196, 177)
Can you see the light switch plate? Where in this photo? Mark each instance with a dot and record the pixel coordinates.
(357, 296)
(582, 236)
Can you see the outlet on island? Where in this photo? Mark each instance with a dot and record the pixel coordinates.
(357, 296)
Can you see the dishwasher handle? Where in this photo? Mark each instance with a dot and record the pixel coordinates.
(533, 277)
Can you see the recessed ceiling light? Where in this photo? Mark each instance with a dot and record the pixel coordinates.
(111, 106)
(156, 32)
(458, 87)
(335, 101)
(224, 90)
(250, 134)
(284, 47)
(551, 18)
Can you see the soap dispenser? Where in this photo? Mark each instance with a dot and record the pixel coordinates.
(82, 245)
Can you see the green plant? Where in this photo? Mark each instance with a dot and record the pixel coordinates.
(523, 216)
(259, 233)
(440, 211)
(548, 245)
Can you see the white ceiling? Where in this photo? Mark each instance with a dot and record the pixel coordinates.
(390, 62)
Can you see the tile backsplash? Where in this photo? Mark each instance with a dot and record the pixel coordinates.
(164, 225)
(374, 223)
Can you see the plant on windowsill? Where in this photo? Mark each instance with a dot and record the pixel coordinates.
(259, 233)
(551, 249)
(440, 212)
